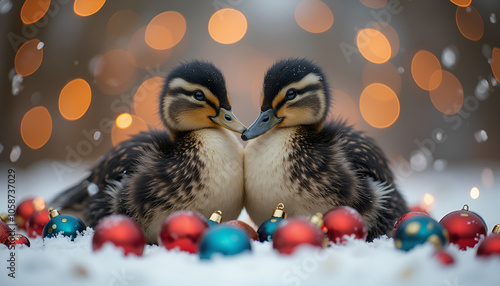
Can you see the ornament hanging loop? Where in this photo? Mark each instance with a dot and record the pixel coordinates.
(465, 207)
(496, 228)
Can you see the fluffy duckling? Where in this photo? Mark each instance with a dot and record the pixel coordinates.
(198, 166)
(309, 165)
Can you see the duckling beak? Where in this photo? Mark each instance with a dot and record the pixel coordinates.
(227, 119)
(265, 122)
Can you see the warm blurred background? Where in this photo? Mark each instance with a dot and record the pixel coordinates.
(421, 77)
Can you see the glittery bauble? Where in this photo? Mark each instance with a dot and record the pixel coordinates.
(183, 230)
(418, 230)
(465, 228)
(122, 231)
(17, 239)
(444, 257)
(250, 231)
(65, 224)
(490, 246)
(291, 233)
(403, 217)
(26, 208)
(37, 222)
(344, 221)
(4, 231)
(224, 240)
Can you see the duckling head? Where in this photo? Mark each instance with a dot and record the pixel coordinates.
(294, 93)
(194, 97)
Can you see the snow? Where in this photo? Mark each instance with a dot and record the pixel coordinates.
(60, 261)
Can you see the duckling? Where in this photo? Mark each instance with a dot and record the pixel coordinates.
(196, 165)
(308, 164)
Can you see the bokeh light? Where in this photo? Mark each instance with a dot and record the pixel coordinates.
(123, 120)
(379, 105)
(461, 3)
(123, 23)
(470, 23)
(495, 62)
(474, 193)
(74, 99)
(165, 30)
(86, 8)
(313, 16)
(391, 35)
(29, 57)
(373, 45)
(375, 4)
(115, 72)
(425, 65)
(146, 101)
(136, 126)
(36, 127)
(487, 177)
(344, 108)
(227, 26)
(144, 56)
(449, 96)
(34, 10)
(385, 73)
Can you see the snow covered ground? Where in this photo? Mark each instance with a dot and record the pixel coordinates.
(62, 262)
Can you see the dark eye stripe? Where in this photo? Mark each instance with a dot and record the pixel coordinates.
(311, 87)
(179, 90)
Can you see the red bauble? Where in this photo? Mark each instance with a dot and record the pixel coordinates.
(465, 228)
(342, 221)
(489, 246)
(17, 239)
(403, 217)
(4, 231)
(444, 257)
(294, 232)
(122, 231)
(182, 229)
(249, 230)
(25, 209)
(37, 222)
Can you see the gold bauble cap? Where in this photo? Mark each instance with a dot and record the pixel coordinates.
(216, 216)
(496, 228)
(4, 218)
(53, 213)
(317, 220)
(279, 212)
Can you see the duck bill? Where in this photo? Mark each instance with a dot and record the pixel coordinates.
(266, 121)
(228, 120)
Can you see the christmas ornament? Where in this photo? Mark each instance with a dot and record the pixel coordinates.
(26, 208)
(250, 231)
(491, 244)
(182, 229)
(37, 222)
(5, 231)
(225, 240)
(66, 224)
(444, 257)
(122, 231)
(215, 218)
(17, 239)
(266, 229)
(419, 209)
(403, 217)
(418, 230)
(344, 221)
(291, 233)
(465, 227)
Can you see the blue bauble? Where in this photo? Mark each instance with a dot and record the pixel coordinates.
(65, 224)
(266, 229)
(225, 240)
(418, 230)
(212, 223)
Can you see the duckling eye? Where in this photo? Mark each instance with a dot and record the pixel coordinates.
(199, 95)
(291, 94)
